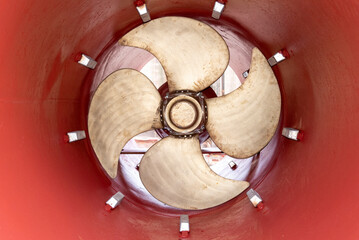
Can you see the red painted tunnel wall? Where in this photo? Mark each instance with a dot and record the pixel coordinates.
(53, 190)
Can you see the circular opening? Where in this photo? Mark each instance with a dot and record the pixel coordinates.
(252, 169)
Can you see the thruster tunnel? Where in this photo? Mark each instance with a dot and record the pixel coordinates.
(50, 189)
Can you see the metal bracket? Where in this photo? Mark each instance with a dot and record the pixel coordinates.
(115, 200)
(184, 225)
(232, 165)
(218, 9)
(245, 74)
(292, 133)
(86, 61)
(278, 57)
(74, 136)
(273, 60)
(255, 198)
(142, 10)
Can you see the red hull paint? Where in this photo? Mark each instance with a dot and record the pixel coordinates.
(53, 190)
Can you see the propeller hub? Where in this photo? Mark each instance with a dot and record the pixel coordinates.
(183, 113)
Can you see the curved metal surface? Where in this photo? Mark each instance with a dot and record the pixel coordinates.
(243, 122)
(192, 53)
(175, 172)
(125, 104)
(45, 94)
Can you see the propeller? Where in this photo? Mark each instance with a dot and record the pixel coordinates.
(193, 56)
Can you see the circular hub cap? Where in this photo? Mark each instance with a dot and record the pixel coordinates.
(183, 113)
